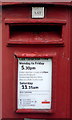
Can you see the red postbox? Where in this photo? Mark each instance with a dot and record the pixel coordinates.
(36, 39)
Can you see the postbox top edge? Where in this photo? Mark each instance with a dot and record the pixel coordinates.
(69, 3)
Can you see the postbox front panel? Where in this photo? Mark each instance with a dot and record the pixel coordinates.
(35, 61)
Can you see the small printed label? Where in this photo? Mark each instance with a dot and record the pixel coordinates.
(37, 12)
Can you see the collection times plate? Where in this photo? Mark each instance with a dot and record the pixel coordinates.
(34, 83)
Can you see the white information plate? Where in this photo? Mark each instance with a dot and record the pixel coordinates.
(37, 12)
(34, 83)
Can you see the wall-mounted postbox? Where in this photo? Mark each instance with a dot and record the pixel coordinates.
(36, 60)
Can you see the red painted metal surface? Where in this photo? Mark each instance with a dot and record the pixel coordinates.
(0, 63)
(56, 2)
(25, 20)
(71, 64)
(19, 15)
